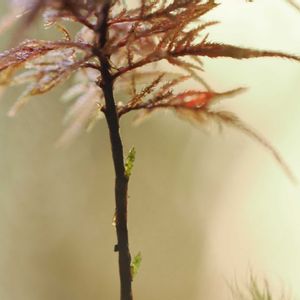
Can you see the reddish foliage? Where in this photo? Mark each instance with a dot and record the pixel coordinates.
(155, 31)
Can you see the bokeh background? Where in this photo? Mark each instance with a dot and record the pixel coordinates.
(205, 208)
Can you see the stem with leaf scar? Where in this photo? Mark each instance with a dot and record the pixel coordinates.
(121, 180)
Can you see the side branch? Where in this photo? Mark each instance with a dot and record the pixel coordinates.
(214, 50)
(211, 50)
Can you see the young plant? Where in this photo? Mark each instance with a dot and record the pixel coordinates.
(112, 56)
(254, 290)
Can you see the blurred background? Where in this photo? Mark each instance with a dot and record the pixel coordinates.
(205, 208)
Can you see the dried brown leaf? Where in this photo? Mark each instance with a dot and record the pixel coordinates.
(215, 50)
(31, 49)
(230, 119)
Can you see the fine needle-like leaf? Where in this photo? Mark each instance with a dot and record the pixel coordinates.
(230, 119)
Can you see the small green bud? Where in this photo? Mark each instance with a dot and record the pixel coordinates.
(129, 162)
(136, 264)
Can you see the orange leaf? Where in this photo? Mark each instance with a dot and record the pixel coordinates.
(199, 101)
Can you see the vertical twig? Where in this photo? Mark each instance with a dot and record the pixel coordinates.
(121, 180)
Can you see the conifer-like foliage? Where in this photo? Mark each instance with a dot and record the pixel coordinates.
(112, 58)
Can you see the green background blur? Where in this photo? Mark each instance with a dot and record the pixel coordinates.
(204, 207)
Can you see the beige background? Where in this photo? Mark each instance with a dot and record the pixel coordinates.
(204, 208)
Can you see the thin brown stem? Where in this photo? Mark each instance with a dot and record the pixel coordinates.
(121, 180)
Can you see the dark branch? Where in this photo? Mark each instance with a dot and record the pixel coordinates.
(121, 181)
